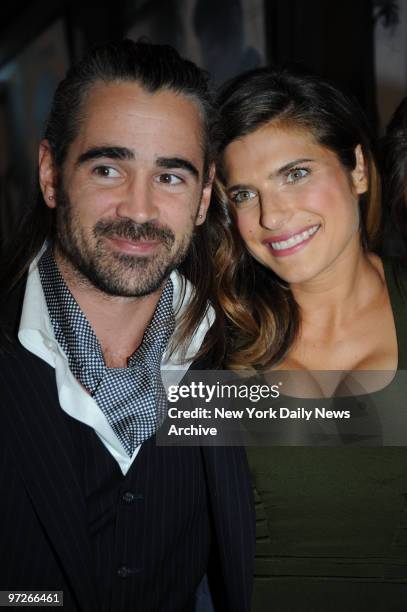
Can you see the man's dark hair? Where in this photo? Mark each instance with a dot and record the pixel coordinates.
(155, 68)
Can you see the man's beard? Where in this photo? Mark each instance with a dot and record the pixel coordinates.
(112, 272)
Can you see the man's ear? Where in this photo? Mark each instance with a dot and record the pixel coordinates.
(206, 196)
(360, 172)
(47, 173)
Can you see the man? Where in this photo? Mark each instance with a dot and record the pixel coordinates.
(90, 505)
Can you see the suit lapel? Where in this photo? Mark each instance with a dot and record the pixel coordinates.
(41, 441)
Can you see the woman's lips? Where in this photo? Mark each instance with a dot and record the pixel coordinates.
(292, 242)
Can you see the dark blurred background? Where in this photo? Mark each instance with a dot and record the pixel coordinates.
(360, 44)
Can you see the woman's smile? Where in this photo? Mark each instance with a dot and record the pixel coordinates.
(292, 242)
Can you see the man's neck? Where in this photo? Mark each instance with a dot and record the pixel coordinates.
(119, 323)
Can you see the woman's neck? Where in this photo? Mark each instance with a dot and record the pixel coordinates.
(354, 280)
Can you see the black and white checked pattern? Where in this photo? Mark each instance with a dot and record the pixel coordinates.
(133, 399)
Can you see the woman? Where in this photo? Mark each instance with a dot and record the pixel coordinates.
(304, 291)
(393, 157)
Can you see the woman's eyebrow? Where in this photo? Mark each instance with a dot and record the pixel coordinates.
(237, 187)
(278, 172)
(292, 164)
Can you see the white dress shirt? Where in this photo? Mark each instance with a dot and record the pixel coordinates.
(37, 335)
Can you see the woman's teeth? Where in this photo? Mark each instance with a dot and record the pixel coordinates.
(296, 239)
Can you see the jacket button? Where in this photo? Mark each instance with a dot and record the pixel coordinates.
(128, 497)
(123, 571)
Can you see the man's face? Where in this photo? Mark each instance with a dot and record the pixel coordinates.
(130, 191)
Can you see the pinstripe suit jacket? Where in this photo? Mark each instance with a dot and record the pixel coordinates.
(43, 534)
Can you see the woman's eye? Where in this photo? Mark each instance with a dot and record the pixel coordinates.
(169, 179)
(296, 174)
(240, 197)
(106, 172)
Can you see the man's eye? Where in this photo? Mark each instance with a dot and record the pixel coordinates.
(296, 174)
(169, 179)
(243, 196)
(106, 172)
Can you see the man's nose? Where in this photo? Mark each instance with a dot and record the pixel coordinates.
(275, 211)
(138, 202)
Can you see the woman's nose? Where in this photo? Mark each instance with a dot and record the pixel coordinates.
(274, 212)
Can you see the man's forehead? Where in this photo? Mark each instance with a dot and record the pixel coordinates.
(126, 114)
(131, 97)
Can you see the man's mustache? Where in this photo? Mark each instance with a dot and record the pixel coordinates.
(127, 229)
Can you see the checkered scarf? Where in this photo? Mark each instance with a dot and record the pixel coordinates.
(132, 399)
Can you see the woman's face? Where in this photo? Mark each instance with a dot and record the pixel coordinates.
(296, 205)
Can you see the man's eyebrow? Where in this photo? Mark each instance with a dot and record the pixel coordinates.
(177, 162)
(292, 164)
(110, 152)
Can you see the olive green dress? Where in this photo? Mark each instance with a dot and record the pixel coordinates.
(332, 520)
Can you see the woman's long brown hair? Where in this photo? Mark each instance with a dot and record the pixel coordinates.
(263, 315)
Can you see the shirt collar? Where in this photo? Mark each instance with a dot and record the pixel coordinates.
(76, 337)
(37, 335)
